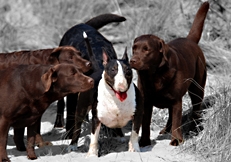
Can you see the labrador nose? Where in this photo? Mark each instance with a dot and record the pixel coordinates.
(133, 61)
(88, 64)
(91, 81)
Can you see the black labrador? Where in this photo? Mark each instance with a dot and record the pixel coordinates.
(79, 104)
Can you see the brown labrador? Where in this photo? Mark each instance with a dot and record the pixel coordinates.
(64, 54)
(53, 56)
(166, 72)
(28, 90)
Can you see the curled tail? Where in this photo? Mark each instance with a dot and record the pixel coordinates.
(198, 23)
(104, 19)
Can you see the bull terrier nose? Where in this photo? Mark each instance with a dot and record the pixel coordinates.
(122, 86)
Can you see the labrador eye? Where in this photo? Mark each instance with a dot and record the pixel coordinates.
(70, 56)
(145, 48)
(73, 72)
(78, 53)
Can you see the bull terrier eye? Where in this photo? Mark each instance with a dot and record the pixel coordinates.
(128, 72)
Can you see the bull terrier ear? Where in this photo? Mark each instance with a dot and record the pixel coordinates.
(48, 78)
(105, 58)
(125, 56)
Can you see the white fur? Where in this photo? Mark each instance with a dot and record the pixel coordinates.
(93, 148)
(133, 142)
(120, 83)
(111, 111)
(84, 35)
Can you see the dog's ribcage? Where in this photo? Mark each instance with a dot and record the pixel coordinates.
(111, 111)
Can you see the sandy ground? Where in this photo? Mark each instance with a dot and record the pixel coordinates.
(116, 151)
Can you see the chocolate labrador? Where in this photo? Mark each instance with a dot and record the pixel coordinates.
(166, 72)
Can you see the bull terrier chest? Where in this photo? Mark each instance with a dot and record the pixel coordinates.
(116, 96)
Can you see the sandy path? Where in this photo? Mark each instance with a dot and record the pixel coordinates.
(159, 151)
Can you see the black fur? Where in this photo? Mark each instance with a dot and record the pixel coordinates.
(77, 109)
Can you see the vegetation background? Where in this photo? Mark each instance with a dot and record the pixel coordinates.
(37, 24)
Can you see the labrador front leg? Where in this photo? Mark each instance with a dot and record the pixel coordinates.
(4, 128)
(177, 137)
(31, 133)
(145, 135)
(38, 138)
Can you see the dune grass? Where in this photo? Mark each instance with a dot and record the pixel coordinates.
(213, 143)
(35, 24)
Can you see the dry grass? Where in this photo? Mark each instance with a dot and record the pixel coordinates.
(213, 143)
(35, 24)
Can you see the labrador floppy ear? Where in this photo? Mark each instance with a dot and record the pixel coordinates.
(54, 55)
(164, 50)
(48, 78)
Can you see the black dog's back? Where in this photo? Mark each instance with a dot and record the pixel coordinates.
(74, 37)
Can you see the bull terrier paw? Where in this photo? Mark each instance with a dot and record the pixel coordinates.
(93, 150)
(134, 147)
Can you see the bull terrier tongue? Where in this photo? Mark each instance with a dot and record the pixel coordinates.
(121, 95)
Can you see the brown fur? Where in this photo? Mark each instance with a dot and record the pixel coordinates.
(64, 54)
(166, 72)
(27, 91)
(54, 56)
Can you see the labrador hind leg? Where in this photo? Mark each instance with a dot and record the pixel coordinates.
(196, 93)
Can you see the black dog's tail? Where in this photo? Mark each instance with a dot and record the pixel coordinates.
(104, 19)
(198, 23)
